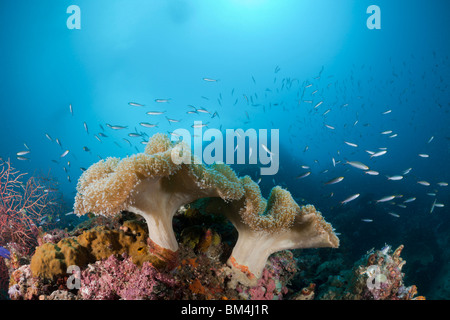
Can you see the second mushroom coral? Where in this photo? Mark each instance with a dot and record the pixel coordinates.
(268, 226)
(153, 185)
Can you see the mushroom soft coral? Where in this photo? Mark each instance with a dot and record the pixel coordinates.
(153, 185)
(266, 227)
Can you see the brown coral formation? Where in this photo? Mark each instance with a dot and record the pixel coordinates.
(52, 260)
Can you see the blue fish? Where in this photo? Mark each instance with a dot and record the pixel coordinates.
(5, 253)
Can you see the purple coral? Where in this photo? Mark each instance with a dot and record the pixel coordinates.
(115, 278)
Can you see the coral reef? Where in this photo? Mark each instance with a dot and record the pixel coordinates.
(376, 276)
(201, 274)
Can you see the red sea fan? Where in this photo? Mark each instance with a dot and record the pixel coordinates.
(22, 205)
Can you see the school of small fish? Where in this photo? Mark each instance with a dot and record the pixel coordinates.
(316, 111)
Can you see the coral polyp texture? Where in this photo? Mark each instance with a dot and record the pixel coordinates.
(154, 186)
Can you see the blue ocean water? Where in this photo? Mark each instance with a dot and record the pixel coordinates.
(311, 69)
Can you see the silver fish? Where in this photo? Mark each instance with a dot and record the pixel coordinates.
(424, 183)
(148, 125)
(358, 165)
(304, 175)
(266, 149)
(64, 154)
(409, 200)
(174, 134)
(395, 178)
(407, 171)
(210, 80)
(378, 154)
(351, 198)
(203, 110)
(351, 144)
(155, 113)
(172, 120)
(335, 180)
(318, 105)
(200, 125)
(394, 214)
(162, 100)
(366, 220)
(432, 206)
(116, 127)
(385, 199)
(135, 104)
(135, 135)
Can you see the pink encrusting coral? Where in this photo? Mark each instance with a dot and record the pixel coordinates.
(272, 285)
(153, 184)
(119, 278)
